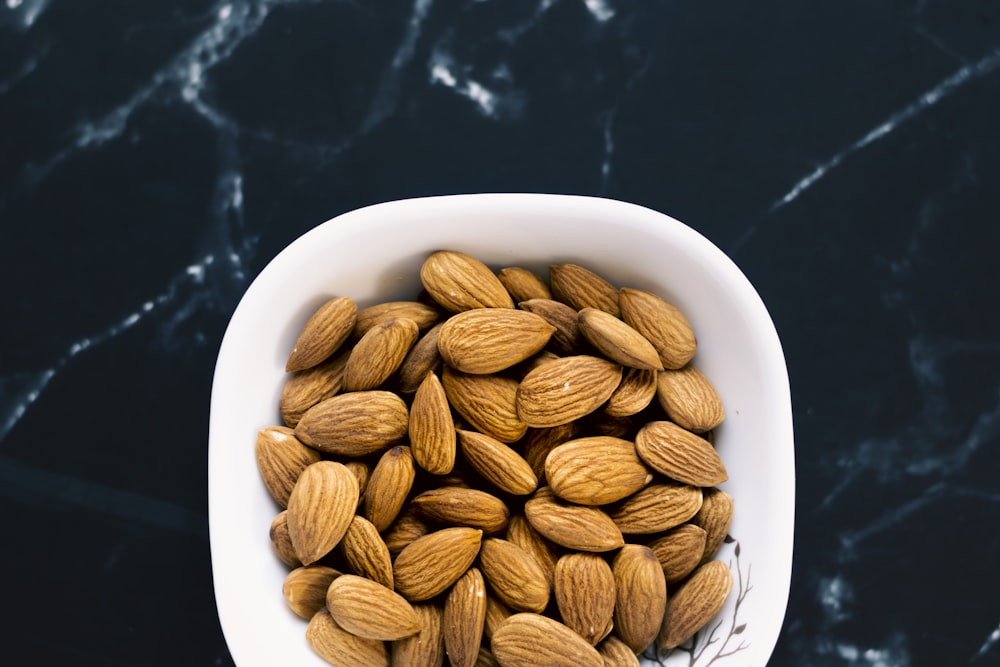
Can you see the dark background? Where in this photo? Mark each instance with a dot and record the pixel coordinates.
(154, 156)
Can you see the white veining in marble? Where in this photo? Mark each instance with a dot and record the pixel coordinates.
(600, 9)
(988, 644)
(23, 13)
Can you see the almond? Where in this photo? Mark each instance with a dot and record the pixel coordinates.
(388, 486)
(368, 609)
(565, 390)
(538, 442)
(488, 340)
(421, 314)
(715, 516)
(339, 647)
(679, 454)
(464, 619)
(497, 463)
(379, 353)
(573, 526)
(679, 551)
(496, 613)
(366, 552)
(581, 288)
(527, 640)
(407, 527)
(523, 284)
(305, 587)
(432, 429)
(633, 394)
(545, 553)
(281, 458)
(661, 323)
(514, 575)
(596, 470)
(566, 339)
(486, 658)
(585, 594)
(281, 542)
(430, 564)
(460, 282)
(616, 653)
(426, 647)
(640, 596)
(617, 340)
(689, 399)
(464, 507)
(362, 473)
(487, 402)
(423, 358)
(320, 509)
(304, 389)
(325, 331)
(355, 424)
(656, 508)
(695, 603)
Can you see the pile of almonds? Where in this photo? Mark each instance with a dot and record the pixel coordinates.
(504, 471)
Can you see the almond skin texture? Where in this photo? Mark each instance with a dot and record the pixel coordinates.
(689, 399)
(339, 647)
(496, 613)
(366, 552)
(281, 458)
(530, 640)
(695, 603)
(616, 653)
(487, 402)
(596, 470)
(432, 428)
(459, 282)
(585, 594)
(432, 563)
(661, 323)
(658, 507)
(464, 619)
(281, 542)
(641, 596)
(423, 358)
(581, 288)
(355, 424)
(679, 551)
(538, 442)
(407, 527)
(325, 331)
(388, 486)
(420, 314)
(514, 576)
(497, 463)
(320, 509)
(426, 648)
(523, 284)
(463, 507)
(368, 609)
(680, 454)
(567, 338)
(545, 552)
(634, 393)
(566, 389)
(489, 340)
(379, 353)
(715, 516)
(572, 526)
(304, 389)
(617, 340)
(304, 588)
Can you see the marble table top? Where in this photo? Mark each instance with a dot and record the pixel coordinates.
(155, 156)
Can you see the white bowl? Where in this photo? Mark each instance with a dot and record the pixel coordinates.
(373, 254)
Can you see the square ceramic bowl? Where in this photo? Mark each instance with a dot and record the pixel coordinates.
(373, 254)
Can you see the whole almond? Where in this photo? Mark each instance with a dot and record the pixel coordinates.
(617, 340)
(689, 399)
(304, 389)
(421, 314)
(379, 353)
(661, 323)
(695, 603)
(567, 338)
(430, 564)
(633, 394)
(565, 390)
(582, 288)
(463, 507)
(407, 527)
(585, 594)
(514, 575)
(545, 552)
(426, 647)
(496, 613)
(325, 331)
(281, 458)
(497, 463)
(464, 619)
(596, 470)
(715, 516)
(366, 552)
(320, 509)
(617, 653)
(432, 428)
(679, 551)
(460, 282)
(528, 640)
(523, 284)
(305, 587)
(281, 543)
(573, 526)
(339, 647)
(679, 454)
(488, 340)
(658, 507)
(538, 442)
(388, 486)
(355, 424)
(487, 402)
(423, 358)
(368, 609)
(640, 596)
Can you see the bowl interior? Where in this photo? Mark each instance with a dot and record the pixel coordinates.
(374, 254)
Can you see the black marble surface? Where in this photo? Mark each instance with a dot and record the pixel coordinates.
(154, 156)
